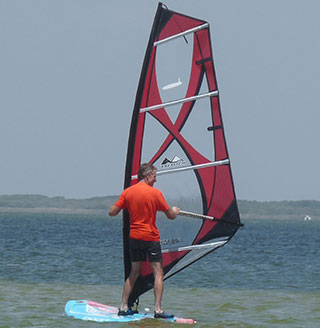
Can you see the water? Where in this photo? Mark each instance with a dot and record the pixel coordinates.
(267, 276)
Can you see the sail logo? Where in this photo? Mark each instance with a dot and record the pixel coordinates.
(171, 241)
(174, 162)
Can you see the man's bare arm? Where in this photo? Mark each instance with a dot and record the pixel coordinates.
(114, 210)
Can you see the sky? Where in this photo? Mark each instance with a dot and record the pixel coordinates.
(69, 71)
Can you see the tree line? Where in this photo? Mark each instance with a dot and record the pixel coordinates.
(246, 207)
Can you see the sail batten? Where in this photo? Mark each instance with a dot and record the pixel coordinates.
(194, 167)
(194, 247)
(179, 101)
(187, 168)
(179, 35)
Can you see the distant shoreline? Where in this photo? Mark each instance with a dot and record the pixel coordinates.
(100, 205)
(51, 210)
(100, 212)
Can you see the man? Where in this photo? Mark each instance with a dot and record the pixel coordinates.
(143, 201)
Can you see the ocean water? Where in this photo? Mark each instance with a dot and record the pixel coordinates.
(267, 276)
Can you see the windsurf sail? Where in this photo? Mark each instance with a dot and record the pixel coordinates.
(180, 131)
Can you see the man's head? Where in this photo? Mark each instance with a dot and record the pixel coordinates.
(148, 173)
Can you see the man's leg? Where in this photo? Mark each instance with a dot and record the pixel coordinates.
(128, 285)
(158, 284)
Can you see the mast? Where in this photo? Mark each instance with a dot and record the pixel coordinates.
(132, 136)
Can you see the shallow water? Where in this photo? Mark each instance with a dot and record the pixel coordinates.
(267, 276)
(42, 305)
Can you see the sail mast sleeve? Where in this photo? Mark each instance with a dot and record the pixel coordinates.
(132, 152)
(139, 96)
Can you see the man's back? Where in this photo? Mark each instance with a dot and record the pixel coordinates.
(143, 201)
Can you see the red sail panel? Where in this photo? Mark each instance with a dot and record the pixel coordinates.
(178, 23)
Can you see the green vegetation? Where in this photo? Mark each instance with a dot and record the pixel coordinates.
(287, 208)
(39, 201)
(102, 204)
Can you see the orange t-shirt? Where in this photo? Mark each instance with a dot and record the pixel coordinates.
(143, 202)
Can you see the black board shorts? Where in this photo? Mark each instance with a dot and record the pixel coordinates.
(141, 249)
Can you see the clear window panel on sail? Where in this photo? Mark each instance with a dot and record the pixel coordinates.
(173, 67)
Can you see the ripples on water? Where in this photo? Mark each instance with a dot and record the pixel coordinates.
(267, 276)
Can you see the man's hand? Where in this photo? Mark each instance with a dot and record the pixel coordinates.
(172, 212)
